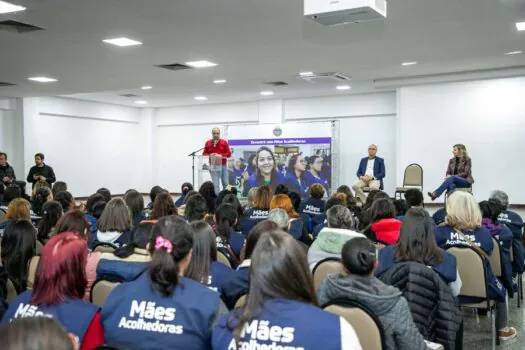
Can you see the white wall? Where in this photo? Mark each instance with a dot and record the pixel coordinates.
(487, 116)
(11, 141)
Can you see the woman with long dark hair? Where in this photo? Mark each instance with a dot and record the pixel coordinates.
(204, 267)
(229, 242)
(161, 309)
(207, 190)
(135, 203)
(60, 282)
(163, 206)
(384, 227)
(51, 213)
(314, 175)
(42, 196)
(266, 172)
(417, 243)
(282, 297)
(294, 179)
(18, 247)
(459, 172)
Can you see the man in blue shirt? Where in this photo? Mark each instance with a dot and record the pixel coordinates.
(370, 173)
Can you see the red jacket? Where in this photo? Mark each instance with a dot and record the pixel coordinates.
(387, 230)
(221, 148)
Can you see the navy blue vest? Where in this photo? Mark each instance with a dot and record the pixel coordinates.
(219, 275)
(236, 286)
(283, 324)
(135, 316)
(252, 217)
(312, 206)
(296, 229)
(74, 315)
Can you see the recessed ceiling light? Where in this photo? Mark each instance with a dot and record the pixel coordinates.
(42, 79)
(267, 93)
(146, 87)
(220, 81)
(200, 64)
(141, 102)
(411, 63)
(306, 74)
(513, 52)
(122, 42)
(520, 26)
(343, 87)
(6, 7)
(200, 98)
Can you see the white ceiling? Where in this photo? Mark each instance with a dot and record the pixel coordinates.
(253, 41)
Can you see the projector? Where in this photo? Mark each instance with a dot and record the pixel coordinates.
(336, 12)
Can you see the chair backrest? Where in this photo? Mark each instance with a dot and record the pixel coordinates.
(325, 267)
(241, 301)
(11, 292)
(365, 323)
(39, 248)
(472, 272)
(413, 175)
(105, 248)
(31, 271)
(223, 259)
(495, 258)
(101, 290)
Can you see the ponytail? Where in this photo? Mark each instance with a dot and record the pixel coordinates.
(170, 243)
(359, 256)
(225, 218)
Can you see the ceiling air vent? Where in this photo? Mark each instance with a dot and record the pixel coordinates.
(322, 77)
(130, 95)
(3, 83)
(276, 83)
(174, 66)
(18, 27)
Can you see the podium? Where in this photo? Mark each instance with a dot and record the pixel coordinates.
(206, 165)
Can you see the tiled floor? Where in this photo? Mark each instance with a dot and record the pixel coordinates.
(477, 333)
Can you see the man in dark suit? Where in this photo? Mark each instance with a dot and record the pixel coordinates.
(370, 173)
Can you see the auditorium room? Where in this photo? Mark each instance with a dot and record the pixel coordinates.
(248, 175)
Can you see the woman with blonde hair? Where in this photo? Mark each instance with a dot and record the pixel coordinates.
(459, 172)
(260, 210)
(462, 228)
(18, 209)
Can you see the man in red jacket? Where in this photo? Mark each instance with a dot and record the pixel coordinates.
(216, 148)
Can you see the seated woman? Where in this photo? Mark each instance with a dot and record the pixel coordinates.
(294, 179)
(332, 201)
(182, 209)
(114, 226)
(237, 285)
(296, 226)
(265, 173)
(490, 211)
(229, 242)
(459, 173)
(51, 213)
(65, 199)
(386, 302)
(18, 209)
(163, 206)
(75, 221)
(385, 227)
(463, 228)
(207, 190)
(417, 243)
(331, 239)
(18, 247)
(314, 205)
(90, 205)
(161, 309)
(401, 207)
(129, 261)
(184, 189)
(42, 195)
(258, 211)
(204, 267)
(135, 203)
(60, 282)
(282, 301)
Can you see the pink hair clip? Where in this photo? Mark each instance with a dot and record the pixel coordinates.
(162, 242)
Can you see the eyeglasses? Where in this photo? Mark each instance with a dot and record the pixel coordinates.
(372, 149)
(302, 161)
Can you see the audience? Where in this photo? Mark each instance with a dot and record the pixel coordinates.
(358, 284)
(42, 195)
(463, 228)
(51, 213)
(314, 205)
(163, 206)
(60, 283)
(196, 208)
(331, 239)
(182, 209)
(204, 267)
(208, 192)
(135, 203)
(114, 226)
(161, 309)
(59, 186)
(105, 193)
(385, 227)
(322, 218)
(282, 296)
(229, 242)
(414, 197)
(65, 199)
(34, 333)
(18, 247)
(37, 186)
(155, 190)
(365, 216)
(184, 189)
(296, 200)
(295, 227)
(417, 243)
(401, 207)
(18, 209)
(90, 204)
(258, 210)
(74, 221)
(280, 217)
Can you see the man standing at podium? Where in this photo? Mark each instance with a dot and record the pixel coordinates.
(215, 148)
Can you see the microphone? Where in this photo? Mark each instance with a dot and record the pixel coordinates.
(215, 142)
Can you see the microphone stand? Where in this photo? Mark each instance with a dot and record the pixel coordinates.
(192, 155)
